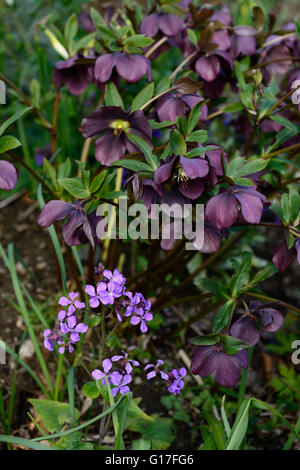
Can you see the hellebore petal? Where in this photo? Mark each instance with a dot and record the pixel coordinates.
(104, 66)
(222, 38)
(277, 52)
(150, 25)
(272, 319)
(208, 68)
(70, 231)
(170, 107)
(204, 361)
(228, 371)
(100, 120)
(109, 148)
(245, 45)
(251, 207)
(244, 328)
(282, 256)
(139, 122)
(170, 24)
(191, 189)
(222, 210)
(212, 239)
(194, 167)
(8, 175)
(54, 210)
(163, 172)
(131, 67)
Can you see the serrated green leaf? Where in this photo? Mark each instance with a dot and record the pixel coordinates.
(222, 317)
(74, 187)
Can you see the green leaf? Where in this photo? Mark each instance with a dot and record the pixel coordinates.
(70, 31)
(112, 97)
(216, 430)
(138, 40)
(134, 165)
(97, 18)
(240, 426)
(35, 91)
(276, 208)
(239, 75)
(205, 340)
(177, 143)
(222, 317)
(233, 108)
(241, 278)
(285, 208)
(294, 204)
(160, 125)
(56, 44)
(141, 444)
(247, 96)
(163, 85)
(159, 432)
(194, 116)
(97, 181)
(200, 150)
(74, 187)
(233, 345)
(49, 412)
(242, 181)
(143, 97)
(24, 442)
(91, 390)
(252, 166)
(199, 136)
(144, 147)
(267, 271)
(215, 287)
(14, 118)
(50, 172)
(8, 142)
(84, 42)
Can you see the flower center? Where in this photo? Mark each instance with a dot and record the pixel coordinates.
(120, 125)
(180, 174)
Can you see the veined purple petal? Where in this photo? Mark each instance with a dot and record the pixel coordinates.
(81, 328)
(131, 67)
(109, 148)
(104, 66)
(107, 365)
(150, 25)
(97, 374)
(282, 257)
(170, 107)
(245, 329)
(170, 24)
(194, 167)
(222, 210)
(8, 175)
(191, 189)
(251, 207)
(54, 210)
(208, 68)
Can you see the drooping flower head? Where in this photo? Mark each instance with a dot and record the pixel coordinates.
(167, 23)
(115, 125)
(73, 75)
(131, 67)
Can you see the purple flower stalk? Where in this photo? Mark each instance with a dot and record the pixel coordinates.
(138, 309)
(175, 378)
(64, 334)
(154, 370)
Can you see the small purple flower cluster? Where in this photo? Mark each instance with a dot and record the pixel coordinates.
(120, 377)
(66, 331)
(111, 290)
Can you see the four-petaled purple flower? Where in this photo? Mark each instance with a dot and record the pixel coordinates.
(138, 308)
(125, 362)
(175, 378)
(120, 382)
(116, 125)
(71, 302)
(154, 370)
(100, 375)
(64, 334)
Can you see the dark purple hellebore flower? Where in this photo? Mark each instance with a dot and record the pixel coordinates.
(74, 76)
(80, 228)
(208, 66)
(260, 318)
(223, 210)
(212, 239)
(172, 105)
(168, 23)
(282, 256)
(222, 16)
(131, 67)
(276, 51)
(213, 359)
(243, 41)
(186, 173)
(8, 175)
(116, 125)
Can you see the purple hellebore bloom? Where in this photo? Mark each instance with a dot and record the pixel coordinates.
(175, 379)
(154, 369)
(168, 23)
(99, 375)
(172, 105)
(212, 239)
(243, 41)
(121, 383)
(80, 228)
(222, 210)
(275, 52)
(74, 76)
(71, 302)
(222, 39)
(222, 15)
(116, 125)
(208, 66)
(282, 256)
(258, 319)
(131, 67)
(225, 368)
(8, 175)
(125, 362)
